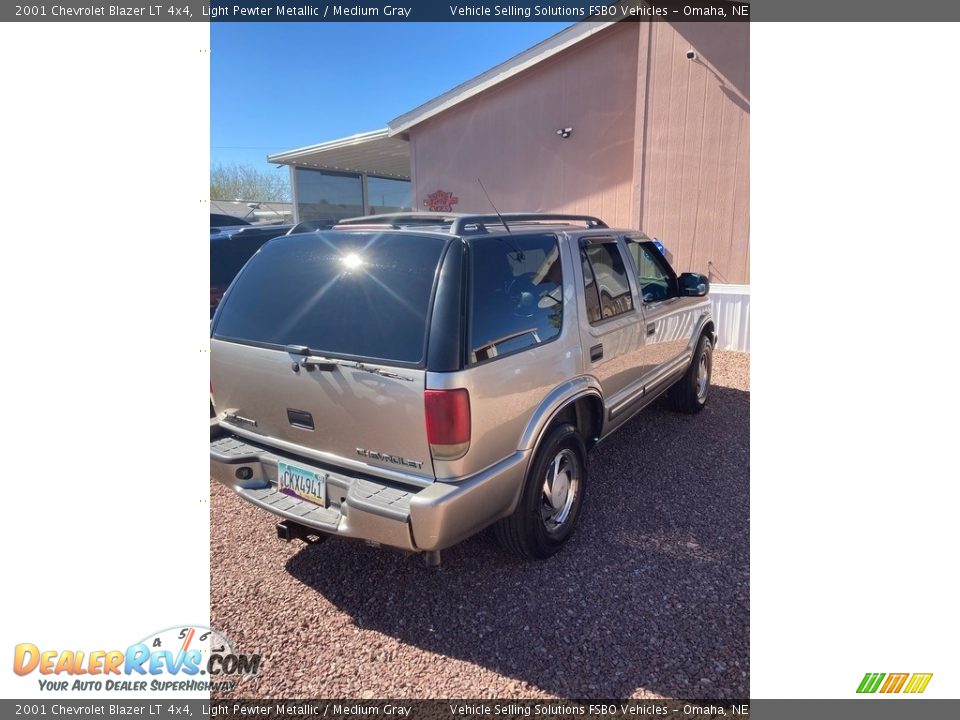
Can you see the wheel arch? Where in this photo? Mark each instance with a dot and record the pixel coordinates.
(709, 329)
(706, 326)
(578, 402)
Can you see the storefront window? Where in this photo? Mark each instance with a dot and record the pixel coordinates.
(386, 195)
(328, 198)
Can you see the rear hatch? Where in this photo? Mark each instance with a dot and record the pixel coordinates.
(319, 346)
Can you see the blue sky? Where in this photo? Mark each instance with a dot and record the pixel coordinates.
(277, 86)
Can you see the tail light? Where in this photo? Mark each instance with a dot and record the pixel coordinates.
(448, 423)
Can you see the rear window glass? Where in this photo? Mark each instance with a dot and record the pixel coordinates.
(517, 294)
(360, 295)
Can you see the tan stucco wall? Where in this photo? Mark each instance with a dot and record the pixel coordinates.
(659, 143)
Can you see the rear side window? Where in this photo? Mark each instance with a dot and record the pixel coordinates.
(357, 295)
(605, 284)
(517, 294)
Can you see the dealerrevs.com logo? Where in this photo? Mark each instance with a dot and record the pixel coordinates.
(911, 683)
(184, 658)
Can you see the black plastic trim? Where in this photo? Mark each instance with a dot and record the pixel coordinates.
(444, 345)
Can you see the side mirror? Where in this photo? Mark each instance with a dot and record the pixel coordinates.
(694, 285)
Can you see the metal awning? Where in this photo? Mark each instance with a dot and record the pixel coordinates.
(373, 153)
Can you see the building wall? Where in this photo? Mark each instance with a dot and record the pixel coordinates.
(507, 137)
(691, 164)
(659, 142)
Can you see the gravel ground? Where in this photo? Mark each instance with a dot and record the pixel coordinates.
(649, 599)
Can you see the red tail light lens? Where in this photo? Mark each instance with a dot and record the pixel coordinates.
(448, 423)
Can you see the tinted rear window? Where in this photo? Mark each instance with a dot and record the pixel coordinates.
(360, 295)
(517, 294)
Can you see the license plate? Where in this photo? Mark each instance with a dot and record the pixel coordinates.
(302, 483)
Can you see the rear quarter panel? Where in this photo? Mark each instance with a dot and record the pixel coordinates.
(506, 392)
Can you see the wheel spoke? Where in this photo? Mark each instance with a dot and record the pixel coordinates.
(703, 376)
(560, 487)
(551, 478)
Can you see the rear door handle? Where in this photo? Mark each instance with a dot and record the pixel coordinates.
(300, 419)
(651, 329)
(596, 352)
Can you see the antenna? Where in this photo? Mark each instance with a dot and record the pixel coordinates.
(494, 206)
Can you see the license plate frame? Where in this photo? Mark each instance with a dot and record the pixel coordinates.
(302, 483)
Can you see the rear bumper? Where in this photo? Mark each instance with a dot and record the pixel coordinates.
(366, 508)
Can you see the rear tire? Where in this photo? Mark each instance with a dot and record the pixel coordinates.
(689, 394)
(549, 505)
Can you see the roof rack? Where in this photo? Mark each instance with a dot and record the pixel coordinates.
(398, 220)
(481, 221)
(460, 223)
(366, 226)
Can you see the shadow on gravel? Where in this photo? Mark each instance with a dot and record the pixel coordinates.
(651, 594)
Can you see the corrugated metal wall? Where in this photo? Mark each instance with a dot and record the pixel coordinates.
(692, 145)
(731, 313)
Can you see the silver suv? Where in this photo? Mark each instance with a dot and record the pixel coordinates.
(412, 379)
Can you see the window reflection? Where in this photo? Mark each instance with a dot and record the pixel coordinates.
(387, 195)
(327, 198)
(654, 281)
(517, 294)
(607, 282)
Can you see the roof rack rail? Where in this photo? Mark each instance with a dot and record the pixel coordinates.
(366, 226)
(401, 219)
(460, 222)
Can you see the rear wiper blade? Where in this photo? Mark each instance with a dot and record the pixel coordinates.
(375, 370)
(311, 360)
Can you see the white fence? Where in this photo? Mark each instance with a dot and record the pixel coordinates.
(731, 313)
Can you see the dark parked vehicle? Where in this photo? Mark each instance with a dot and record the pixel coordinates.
(309, 226)
(229, 251)
(218, 220)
